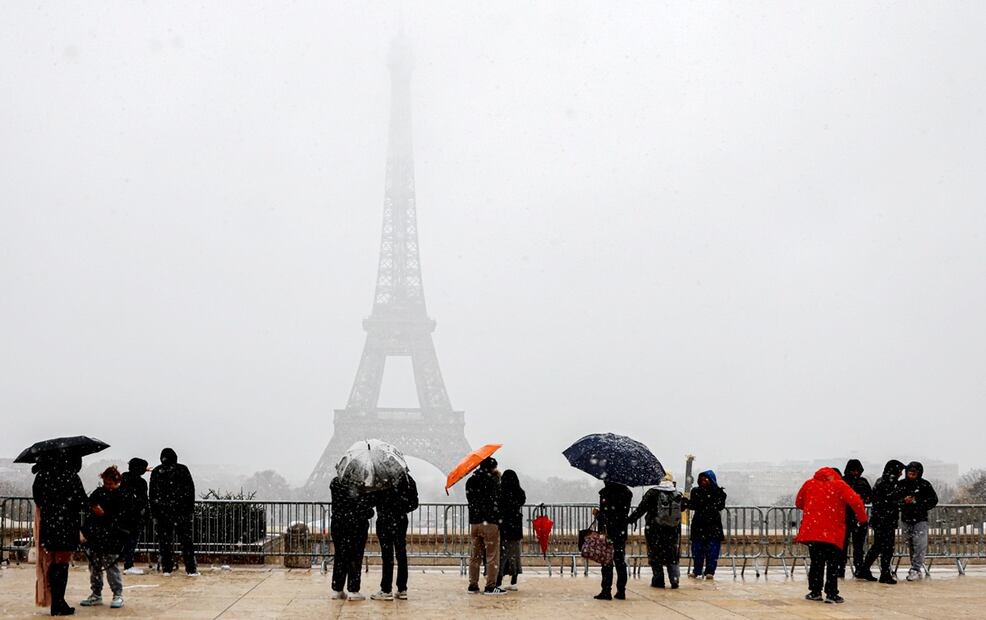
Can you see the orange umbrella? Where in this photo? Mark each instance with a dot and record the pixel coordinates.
(469, 463)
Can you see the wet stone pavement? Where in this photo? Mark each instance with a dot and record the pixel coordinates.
(279, 593)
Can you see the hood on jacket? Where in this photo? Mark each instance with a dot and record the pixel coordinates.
(168, 457)
(827, 474)
(893, 469)
(853, 464)
(711, 475)
(916, 466)
(138, 466)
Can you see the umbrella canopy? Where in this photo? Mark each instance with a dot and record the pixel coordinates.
(79, 444)
(542, 529)
(470, 462)
(615, 458)
(372, 464)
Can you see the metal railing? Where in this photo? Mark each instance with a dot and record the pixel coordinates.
(249, 531)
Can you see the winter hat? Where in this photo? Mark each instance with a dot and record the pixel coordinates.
(168, 457)
(137, 465)
(488, 464)
(916, 466)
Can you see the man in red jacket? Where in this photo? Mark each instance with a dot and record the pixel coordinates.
(824, 500)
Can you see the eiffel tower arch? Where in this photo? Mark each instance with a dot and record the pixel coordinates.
(398, 324)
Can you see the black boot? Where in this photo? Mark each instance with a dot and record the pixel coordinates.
(58, 581)
(888, 578)
(604, 596)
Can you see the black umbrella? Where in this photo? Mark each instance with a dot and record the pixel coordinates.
(80, 444)
(615, 458)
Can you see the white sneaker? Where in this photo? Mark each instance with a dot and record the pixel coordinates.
(117, 602)
(193, 574)
(913, 575)
(382, 596)
(355, 596)
(91, 601)
(510, 588)
(133, 570)
(402, 595)
(165, 574)
(338, 596)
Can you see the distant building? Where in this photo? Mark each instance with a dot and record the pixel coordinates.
(762, 483)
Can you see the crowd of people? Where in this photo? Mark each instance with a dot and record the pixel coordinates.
(834, 522)
(107, 524)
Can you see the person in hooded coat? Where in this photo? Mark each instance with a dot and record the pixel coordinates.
(105, 534)
(917, 497)
(612, 515)
(60, 497)
(823, 500)
(661, 507)
(707, 500)
(512, 500)
(393, 505)
(349, 527)
(483, 497)
(135, 488)
(883, 519)
(172, 499)
(855, 533)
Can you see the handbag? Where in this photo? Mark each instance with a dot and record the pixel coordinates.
(595, 546)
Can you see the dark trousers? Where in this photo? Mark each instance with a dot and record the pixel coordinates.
(705, 556)
(620, 561)
(393, 542)
(130, 547)
(824, 567)
(350, 543)
(167, 530)
(883, 546)
(856, 537)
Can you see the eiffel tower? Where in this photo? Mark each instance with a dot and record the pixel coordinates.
(399, 323)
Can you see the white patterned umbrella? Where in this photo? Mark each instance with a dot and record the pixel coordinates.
(372, 464)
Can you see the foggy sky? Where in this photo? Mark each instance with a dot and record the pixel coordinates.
(752, 231)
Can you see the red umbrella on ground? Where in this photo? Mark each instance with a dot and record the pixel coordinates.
(542, 529)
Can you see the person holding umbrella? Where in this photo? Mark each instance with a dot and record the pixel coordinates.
(349, 526)
(393, 504)
(613, 517)
(60, 498)
(483, 496)
(620, 462)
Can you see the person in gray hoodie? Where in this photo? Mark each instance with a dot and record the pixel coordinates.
(917, 497)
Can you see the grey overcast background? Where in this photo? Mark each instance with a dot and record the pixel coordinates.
(752, 231)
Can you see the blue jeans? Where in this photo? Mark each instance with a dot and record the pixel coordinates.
(705, 553)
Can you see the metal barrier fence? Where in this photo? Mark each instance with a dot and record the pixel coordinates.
(247, 531)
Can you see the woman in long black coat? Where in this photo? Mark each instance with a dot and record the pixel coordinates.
(60, 497)
(512, 500)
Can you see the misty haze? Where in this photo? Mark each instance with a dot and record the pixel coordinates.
(753, 233)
